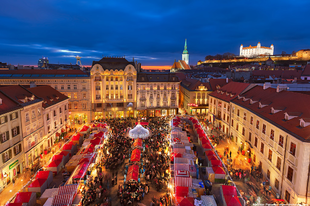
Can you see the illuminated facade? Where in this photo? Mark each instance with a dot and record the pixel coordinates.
(157, 94)
(272, 127)
(11, 148)
(253, 51)
(55, 113)
(73, 83)
(113, 88)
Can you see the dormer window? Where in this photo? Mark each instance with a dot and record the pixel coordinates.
(252, 101)
(239, 97)
(291, 115)
(245, 99)
(0, 101)
(304, 122)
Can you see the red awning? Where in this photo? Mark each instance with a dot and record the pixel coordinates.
(212, 157)
(210, 153)
(142, 123)
(43, 174)
(95, 141)
(76, 137)
(207, 146)
(138, 143)
(14, 204)
(81, 170)
(94, 125)
(37, 183)
(186, 202)
(57, 157)
(229, 190)
(232, 200)
(205, 141)
(181, 191)
(135, 155)
(84, 129)
(218, 170)
(67, 146)
(23, 197)
(100, 134)
(63, 130)
(133, 173)
(216, 163)
(54, 163)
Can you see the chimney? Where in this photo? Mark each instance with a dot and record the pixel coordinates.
(33, 84)
(266, 85)
(226, 80)
(281, 87)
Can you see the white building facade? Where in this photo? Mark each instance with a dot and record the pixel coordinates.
(254, 51)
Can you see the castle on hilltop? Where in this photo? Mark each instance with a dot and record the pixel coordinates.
(253, 51)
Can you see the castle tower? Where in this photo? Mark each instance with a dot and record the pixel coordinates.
(185, 55)
(241, 50)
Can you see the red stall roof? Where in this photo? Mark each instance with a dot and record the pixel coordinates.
(89, 149)
(58, 157)
(204, 141)
(100, 134)
(37, 183)
(14, 204)
(67, 146)
(64, 153)
(207, 146)
(84, 129)
(135, 155)
(232, 200)
(43, 174)
(81, 170)
(218, 170)
(76, 138)
(23, 197)
(54, 163)
(212, 157)
(133, 173)
(229, 190)
(181, 191)
(95, 141)
(186, 202)
(216, 163)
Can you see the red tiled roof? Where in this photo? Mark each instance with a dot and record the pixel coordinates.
(284, 74)
(214, 83)
(17, 92)
(294, 103)
(306, 71)
(176, 65)
(48, 93)
(184, 64)
(193, 84)
(8, 104)
(180, 75)
(41, 71)
(234, 88)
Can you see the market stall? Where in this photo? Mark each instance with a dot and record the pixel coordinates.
(66, 156)
(181, 191)
(73, 163)
(137, 143)
(54, 166)
(58, 157)
(133, 173)
(77, 139)
(68, 189)
(70, 147)
(219, 172)
(183, 178)
(38, 185)
(85, 129)
(208, 200)
(139, 132)
(45, 175)
(88, 149)
(26, 197)
(229, 195)
(135, 155)
(66, 199)
(47, 194)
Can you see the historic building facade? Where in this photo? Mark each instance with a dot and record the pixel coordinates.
(55, 113)
(113, 88)
(73, 83)
(157, 94)
(271, 126)
(11, 148)
(253, 51)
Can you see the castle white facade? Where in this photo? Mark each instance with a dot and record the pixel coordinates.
(253, 51)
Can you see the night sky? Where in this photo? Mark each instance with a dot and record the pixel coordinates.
(151, 31)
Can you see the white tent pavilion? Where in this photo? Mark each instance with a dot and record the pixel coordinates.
(139, 132)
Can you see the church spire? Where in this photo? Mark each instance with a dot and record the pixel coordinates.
(185, 47)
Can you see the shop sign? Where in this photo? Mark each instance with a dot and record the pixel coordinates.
(13, 164)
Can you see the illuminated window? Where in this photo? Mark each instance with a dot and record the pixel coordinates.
(250, 136)
(68, 86)
(256, 141)
(293, 149)
(262, 148)
(276, 183)
(27, 117)
(270, 155)
(98, 96)
(264, 129)
(290, 172)
(251, 120)
(129, 96)
(75, 106)
(75, 95)
(281, 139)
(272, 134)
(279, 163)
(84, 95)
(257, 124)
(75, 86)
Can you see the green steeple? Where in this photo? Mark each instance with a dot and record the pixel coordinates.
(185, 47)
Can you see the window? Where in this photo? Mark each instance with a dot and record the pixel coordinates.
(83, 86)
(262, 148)
(116, 78)
(172, 103)
(15, 131)
(238, 112)
(68, 86)
(268, 174)
(244, 116)
(257, 124)
(272, 134)
(75, 106)
(243, 131)
(69, 95)
(129, 96)
(75, 95)
(112, 87)
(233, 109)
(4, 136)
(151, 87)
(6, 156)
(293, 149)
(255, 143)
(121, 87)
(69, 106)
(62, 87)
(111, 78)
(270, 155)
(47, 117)
(75, 86)
(55, 124)
(60, 120)
(264, 129)
(287, 196)
(98, 96)
(17, 149)
(228, 108)
(281, 139)
(84, 106)
(84, 95)
(54, 113)
(290, 172)
(251, 120)
(39, 112)
(27, 117)
(224, 116)
(65, 107)
(60, 111)
(129, 87)
(14, 115)
(276, 183)
(232, 122)
(97, 87)
(4, 119)
(107, 96)
(107, 78)
(279, 163)
(254, 158)
(250, 136)
(107, 87)
(116, 87)
(237, 127)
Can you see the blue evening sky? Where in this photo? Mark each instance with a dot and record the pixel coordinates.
(151, 31)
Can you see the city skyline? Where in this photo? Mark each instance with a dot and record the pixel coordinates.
(151, 32)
